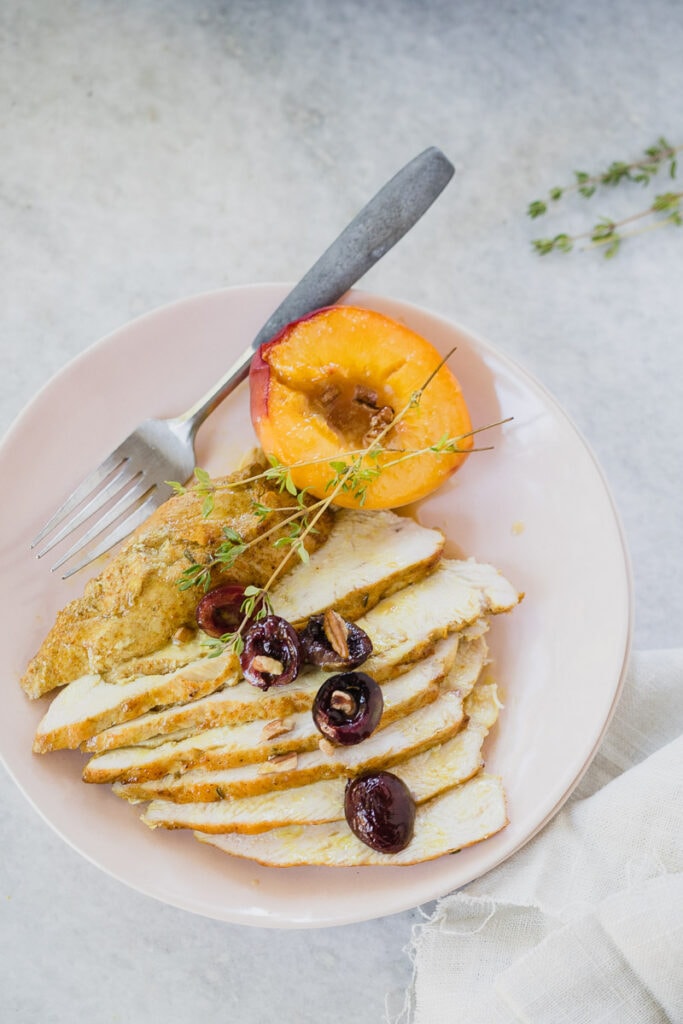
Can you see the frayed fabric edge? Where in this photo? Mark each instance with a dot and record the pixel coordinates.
(404, 1014)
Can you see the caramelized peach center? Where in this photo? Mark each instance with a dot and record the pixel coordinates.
(356, 412)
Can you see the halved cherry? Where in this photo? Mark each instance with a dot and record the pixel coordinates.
(347, 707)
(220, 610)
(333, 643)
(272, 653)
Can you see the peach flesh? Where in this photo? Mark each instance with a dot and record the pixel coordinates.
(329, 383)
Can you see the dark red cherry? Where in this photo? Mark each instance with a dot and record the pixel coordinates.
(380, 811)
(220, 610)
(272, 653)
(333, 643)
(347, 707)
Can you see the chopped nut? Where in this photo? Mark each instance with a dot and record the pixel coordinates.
(337, 632)
(183, 635)
(365, 395)
(326, 747)
(379, 420)
(278, 727)
(279, 763)
(262, 663)
(342, 701)
(330, 394)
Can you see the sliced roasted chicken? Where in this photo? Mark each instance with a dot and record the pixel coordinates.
(418, 731)
(457, 818)
(457, 596)
(432, 724)
(93, 704)
(88, 704)
(367, 556)
(426, 775)
(230, 746)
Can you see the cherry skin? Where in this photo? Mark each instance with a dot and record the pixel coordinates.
(380, 811)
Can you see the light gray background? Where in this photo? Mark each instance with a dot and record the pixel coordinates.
(151, 150)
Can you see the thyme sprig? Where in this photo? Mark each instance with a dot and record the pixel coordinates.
(607, 233)
(234, 546)
(665, 209)
(198, 574)
(204, 488)
(449, 445)
(639, 171)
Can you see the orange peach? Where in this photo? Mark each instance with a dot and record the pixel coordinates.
(329, 383)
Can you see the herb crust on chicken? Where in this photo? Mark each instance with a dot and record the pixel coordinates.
(134, 606)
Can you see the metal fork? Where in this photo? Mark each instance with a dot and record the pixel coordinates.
(131, 482)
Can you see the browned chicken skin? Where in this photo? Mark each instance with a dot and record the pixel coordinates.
(134, 606)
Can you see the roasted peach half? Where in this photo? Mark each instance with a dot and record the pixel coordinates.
(330, 383)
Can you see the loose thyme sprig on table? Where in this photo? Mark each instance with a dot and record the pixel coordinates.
(351, 475)
(640, 171)
(607, 232)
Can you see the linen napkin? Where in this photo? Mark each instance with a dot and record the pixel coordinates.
(585, 924)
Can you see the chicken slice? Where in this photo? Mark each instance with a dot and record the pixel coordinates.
(457, 818)
(455, 597)
(231, 705)
(426, 775)
(229, 746)
(89, 704)
(368, 556)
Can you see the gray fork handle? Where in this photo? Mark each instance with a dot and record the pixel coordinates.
(378, 227)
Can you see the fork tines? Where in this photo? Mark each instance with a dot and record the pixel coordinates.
(115, 487)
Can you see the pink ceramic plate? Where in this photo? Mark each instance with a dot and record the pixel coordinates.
(537, 506)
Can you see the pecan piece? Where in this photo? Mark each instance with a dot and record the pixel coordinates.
(279, 763)
(278, 727)
(262, 663)
(337, 632)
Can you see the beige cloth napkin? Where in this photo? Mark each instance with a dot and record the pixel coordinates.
(585, 924)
